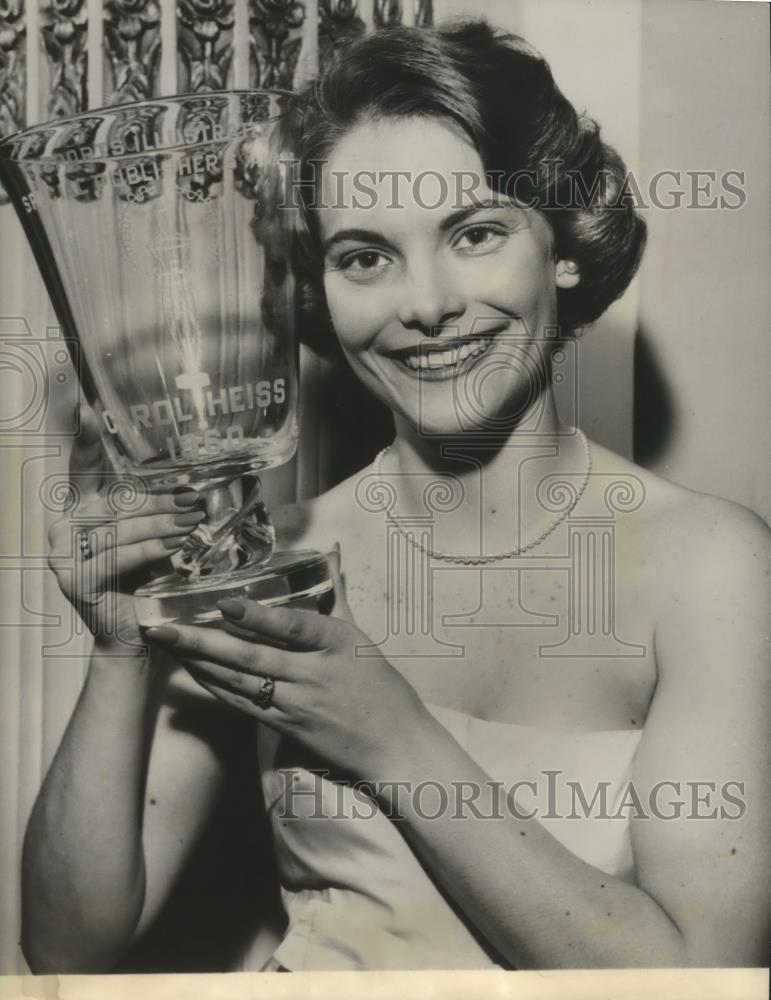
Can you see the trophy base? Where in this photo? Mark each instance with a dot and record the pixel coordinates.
(287, 577)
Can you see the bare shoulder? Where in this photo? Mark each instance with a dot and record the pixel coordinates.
(718, 588)
(707, 582)
(688, 535)
(319, 522)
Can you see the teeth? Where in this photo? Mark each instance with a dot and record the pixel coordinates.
(445, 359)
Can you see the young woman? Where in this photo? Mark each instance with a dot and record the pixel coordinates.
(532, 735)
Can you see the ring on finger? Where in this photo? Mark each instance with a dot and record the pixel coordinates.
(84, 545)
(264, 694)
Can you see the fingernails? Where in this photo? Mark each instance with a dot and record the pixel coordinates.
(172, 543)
(231, 608)
(163, 633)
(187, 499)
(188, 519)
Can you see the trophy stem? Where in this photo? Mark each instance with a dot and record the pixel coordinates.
(231, 554)
(236, 533)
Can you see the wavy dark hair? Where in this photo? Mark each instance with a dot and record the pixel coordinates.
(501, 93)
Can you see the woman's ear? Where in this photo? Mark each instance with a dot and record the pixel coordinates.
(566, 274)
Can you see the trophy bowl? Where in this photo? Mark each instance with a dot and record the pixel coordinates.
(162, 230)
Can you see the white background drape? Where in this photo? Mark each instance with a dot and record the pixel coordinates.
(675, 374)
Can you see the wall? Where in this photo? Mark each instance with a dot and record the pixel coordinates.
(703, 407)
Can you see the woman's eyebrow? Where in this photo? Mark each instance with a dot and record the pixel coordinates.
(373, 236)
(462, 214)
(361, 235)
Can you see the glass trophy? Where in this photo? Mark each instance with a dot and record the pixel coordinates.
(162, 231)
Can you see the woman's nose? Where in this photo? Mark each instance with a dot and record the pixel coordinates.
(429, 299)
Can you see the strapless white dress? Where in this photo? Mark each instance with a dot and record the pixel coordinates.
(355, 895)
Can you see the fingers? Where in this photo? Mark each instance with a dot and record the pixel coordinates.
(104, 508)
(219, 647)
(88, 577)
(297, 628)
(108, 551)
(340, 607)
(152, 516)
(232, 681)
(88, 461)
(272, 716)
(126, 559)
(129, 531)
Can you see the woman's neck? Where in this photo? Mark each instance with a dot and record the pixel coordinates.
(489, 493)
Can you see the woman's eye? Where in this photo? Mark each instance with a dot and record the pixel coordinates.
(363, 262)
(480, 238)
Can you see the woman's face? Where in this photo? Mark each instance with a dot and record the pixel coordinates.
(439, 290)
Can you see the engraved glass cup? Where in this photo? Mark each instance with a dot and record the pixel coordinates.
(162, 230)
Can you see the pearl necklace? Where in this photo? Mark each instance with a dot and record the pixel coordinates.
(470, 560)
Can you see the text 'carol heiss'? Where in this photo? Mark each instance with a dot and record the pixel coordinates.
(201, 405)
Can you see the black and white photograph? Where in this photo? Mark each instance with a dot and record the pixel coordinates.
(386, 485)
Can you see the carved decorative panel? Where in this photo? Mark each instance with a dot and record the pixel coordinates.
(424, 15)
(279, 39)
(13, 70)
(338, 22)
(387, 13)
(63, 25)
(274, 41)
(205, 42)
(12, 66)
(132, 41)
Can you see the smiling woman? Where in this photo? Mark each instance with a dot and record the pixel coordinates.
(477, 758)
(523, 140)
(409, 288)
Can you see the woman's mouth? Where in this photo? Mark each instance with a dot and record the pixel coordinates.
(435, 365)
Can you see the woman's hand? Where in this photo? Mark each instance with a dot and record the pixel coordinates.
(119, 548)
(352, 709)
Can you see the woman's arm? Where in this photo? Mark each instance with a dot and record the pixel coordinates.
(129, 790)
(704, 883)
(703, 886)
(139, 767)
